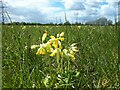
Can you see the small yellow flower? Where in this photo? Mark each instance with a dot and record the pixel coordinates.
(54, 52)
(52, 37)
(34, 46)
(58, 35)
(69, 53)
(73, 57)
(41, 50)
(62, 34)
(60, 45)
(74, 48)
(44, 36)
(62, 39)
(48, 47)
(65, 51)
(72, 52)
(55, 44)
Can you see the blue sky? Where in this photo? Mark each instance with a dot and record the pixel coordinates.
(45, 11)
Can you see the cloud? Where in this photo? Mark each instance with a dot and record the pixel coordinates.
(77, 6)
(45, 11)
(33, 11)
(73, 4)
(26, 14)
(28, 3)
(107, 10)
(112, 2)
(94, 3)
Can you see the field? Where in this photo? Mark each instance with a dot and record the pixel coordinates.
(95, 66)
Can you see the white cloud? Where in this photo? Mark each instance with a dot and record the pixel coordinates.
(19, 18)
(73, 4)
(28, 3)
(107, 10)
(42, 11)
(112, 1)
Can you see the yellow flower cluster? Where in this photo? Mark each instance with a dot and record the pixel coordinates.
(53, 47)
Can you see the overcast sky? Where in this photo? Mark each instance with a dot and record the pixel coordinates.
(45, 11)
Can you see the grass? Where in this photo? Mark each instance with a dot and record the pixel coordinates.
(96, 64)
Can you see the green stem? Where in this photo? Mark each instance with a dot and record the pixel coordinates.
(58, 58)
(50, 68)
(61, 65)
(68, 65)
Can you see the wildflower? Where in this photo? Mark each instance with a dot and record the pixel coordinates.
(41, 50)
(65, 51)
(33, 86)
(62, 39)
(69, 54)
(58, 35)
(26, 47)
(62, 34)
(60, 45)
(24, 27)
(52, 37)
(44, 36)
(54, 52)
(34, 46)
(74, 48)
(79, 27)
(55, 43)
(48, 47)
(54, 47)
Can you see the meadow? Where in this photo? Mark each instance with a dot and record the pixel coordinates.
(95, 66)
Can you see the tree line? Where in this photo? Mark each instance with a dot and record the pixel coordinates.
(100, 21)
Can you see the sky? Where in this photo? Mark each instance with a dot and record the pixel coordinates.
(46, 11)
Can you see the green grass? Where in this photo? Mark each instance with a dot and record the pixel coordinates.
(96, 64)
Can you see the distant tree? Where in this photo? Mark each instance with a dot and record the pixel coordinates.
(100, 21)
(109, 22)
(67, 23)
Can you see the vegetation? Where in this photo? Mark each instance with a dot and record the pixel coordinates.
(101, 21)
(95, 64)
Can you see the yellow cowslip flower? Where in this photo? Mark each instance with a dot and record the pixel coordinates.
(73, 57)
(58, 35)
(41, 50)
(65, 51)
(34, 46)
(60, 45)
(54, 47)
(44, 36)
(73, 47)
(69, 54)
(54, 52)
(55, 43)
(52, 37)
(72, 52)
(62, 39)
(62, 34)
(48, 47)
